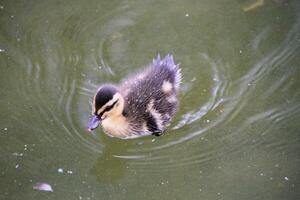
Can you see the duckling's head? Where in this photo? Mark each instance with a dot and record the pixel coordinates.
(107, 103)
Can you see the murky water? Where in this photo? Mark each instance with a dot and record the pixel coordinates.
(236, 135)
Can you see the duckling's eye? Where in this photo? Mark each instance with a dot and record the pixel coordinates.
(108, 108)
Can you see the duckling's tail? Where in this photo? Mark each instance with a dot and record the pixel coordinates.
(168, 62)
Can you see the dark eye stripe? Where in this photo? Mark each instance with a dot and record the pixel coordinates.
(108, 108)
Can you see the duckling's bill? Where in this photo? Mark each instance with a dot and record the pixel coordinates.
(94, 123)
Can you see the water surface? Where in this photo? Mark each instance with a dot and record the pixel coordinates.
(236, 135)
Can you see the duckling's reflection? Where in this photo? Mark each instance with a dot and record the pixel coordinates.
(108, 168)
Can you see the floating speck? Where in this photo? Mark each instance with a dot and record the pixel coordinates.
(241, 51)
(5, 129)
(2, 50)
(18, 154)
(70, 172)
(17, 166)
(153, 140)
(207, 120)
(261, 174)
(43, 187)
(60, 170)
(286, 178)
(1, 7)
(249, 84)
(187, 14)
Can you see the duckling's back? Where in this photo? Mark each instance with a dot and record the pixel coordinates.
(151, 96)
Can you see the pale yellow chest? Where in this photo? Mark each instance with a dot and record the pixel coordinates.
(116, 126)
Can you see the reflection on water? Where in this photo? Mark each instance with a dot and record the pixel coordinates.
(234, 137)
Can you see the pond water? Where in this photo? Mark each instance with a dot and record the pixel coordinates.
(236, 135)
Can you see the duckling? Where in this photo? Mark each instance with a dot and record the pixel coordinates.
(142, 104)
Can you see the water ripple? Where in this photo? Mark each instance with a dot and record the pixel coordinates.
(228, 98)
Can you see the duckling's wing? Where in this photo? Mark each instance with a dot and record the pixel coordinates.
(150, 96)
(168, 66)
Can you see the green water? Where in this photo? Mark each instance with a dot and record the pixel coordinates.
(236, 135)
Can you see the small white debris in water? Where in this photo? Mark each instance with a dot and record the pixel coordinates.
(18, 154)
(60, 170)
(249, 84)
(70, 172)
(17, 166)
(12, 16)
(207, 120)
(187, 14)
(43, 187)
(241, 51)
(286, 178)
(2, 50)
(5, 129)
(277, 165)
(153, 140)
(1, 7)
(261, 174)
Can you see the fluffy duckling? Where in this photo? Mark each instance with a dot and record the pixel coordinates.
(142, 104)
